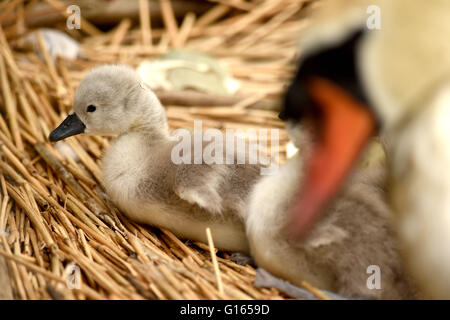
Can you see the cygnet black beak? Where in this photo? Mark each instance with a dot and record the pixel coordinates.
(71, 126)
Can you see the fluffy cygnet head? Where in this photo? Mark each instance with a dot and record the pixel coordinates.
(111, 100)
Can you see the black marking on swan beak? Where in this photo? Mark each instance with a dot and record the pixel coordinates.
(71, 126)
(337, 63)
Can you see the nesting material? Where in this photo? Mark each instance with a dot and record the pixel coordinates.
(58, 224)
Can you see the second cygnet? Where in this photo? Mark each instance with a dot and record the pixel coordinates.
(347, 246)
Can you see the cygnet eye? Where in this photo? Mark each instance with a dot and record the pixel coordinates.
(91, 108)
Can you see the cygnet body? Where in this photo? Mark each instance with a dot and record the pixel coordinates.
(344, 249)
(139, 174)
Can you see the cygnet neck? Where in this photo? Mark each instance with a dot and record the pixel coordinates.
(152, 122)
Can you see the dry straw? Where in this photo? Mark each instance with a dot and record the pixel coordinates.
(53, 207)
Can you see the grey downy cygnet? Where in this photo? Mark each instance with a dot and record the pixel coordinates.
(138, 172)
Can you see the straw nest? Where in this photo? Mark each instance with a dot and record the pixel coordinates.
(53, 211)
